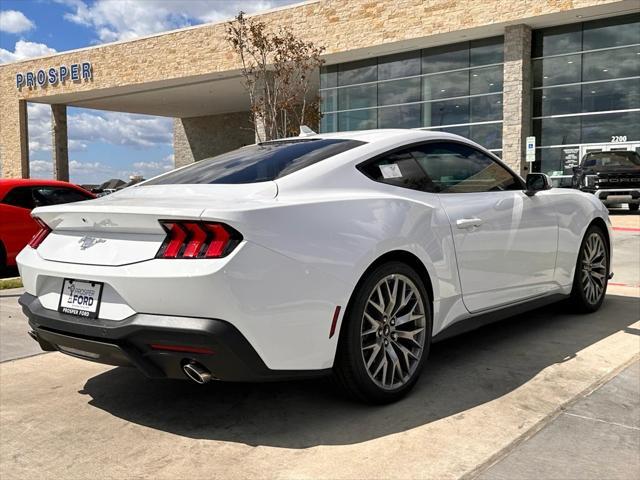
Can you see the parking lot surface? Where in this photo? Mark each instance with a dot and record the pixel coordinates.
(483, 398)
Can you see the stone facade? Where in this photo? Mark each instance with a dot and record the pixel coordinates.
(516, 104)
(339, 25)
(59, 143)
(202, 137)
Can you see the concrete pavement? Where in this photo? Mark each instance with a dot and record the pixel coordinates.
(598, 437)
(480, 393)
(14, 340)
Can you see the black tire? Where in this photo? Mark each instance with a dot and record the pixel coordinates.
(350, 369)
(634, 207)
(581, 300)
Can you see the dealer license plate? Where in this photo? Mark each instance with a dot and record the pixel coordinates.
(80, 297)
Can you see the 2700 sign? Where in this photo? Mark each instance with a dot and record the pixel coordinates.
(618, 138)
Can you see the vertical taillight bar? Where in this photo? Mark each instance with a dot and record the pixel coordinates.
(41, 234)
(192, 239)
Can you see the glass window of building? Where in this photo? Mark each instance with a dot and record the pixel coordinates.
(586, 90)
(455, 88)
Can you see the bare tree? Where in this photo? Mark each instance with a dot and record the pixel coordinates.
(277, 68)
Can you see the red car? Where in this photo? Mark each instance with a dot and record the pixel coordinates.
(17, 198)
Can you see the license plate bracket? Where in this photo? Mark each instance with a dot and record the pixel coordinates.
(81, 298)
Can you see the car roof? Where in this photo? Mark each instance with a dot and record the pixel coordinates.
(8, 183)
(384, 134)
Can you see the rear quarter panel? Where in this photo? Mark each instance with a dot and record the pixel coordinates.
(342, 234)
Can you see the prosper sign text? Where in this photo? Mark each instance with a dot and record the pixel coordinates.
(74, 72)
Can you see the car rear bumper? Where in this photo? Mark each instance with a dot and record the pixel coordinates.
(229, 355)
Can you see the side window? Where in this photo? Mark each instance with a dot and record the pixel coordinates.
(458, 168)
(56, 195)
(20, 197)
(399, 169)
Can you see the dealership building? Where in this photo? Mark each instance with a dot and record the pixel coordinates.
(566, 72)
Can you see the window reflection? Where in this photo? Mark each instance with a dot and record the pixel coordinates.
(617, 63)
(489, 136)
(486, 108)
(399, 65)
(557, 131)
(600, 128)
(445, 112)
(611, 32)
(486, 80)
(399, 91)
(445, 85)
(556, 101)
(447, 57)
(357, 120)
(361, 96)
(557, 70)
(403, 116)
(557, 40)
(358, 72)
(329, 100)
(486, 51)
(616, 95)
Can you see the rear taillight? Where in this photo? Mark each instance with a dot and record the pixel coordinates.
(41, 234)
(189, 239)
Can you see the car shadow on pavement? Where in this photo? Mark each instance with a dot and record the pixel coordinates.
(461, 373)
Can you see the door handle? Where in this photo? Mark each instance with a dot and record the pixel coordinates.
(468, 222)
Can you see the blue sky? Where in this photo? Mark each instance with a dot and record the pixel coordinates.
(103, 145)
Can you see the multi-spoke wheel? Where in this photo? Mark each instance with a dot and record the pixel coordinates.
(592, 271)
(387, 334)
(393, 331)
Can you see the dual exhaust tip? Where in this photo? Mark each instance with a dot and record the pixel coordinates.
(197, 373)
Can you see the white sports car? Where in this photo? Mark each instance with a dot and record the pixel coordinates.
(345, 253)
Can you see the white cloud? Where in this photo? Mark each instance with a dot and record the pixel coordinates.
(126, 19)
(76, 167)
(13, 21)
(120, 129)
(24, 50)
(41, 168)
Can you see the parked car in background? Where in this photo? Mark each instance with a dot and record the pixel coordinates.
(17, 198)
(612, 176)
(343, 253)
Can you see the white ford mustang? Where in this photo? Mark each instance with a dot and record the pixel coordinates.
(346, 253)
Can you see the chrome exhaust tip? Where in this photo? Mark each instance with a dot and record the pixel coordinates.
(197, 373)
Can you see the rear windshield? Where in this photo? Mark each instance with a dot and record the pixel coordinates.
(619, 158)
(257, 163)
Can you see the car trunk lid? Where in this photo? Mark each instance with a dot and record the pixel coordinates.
(124, 228)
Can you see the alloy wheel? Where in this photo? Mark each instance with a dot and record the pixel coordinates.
(594, 268)
(393, 331)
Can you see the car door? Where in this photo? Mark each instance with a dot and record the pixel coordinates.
(505, 240)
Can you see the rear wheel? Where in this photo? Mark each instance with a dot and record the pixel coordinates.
(634, 207)
(386, 335)
(592, 271)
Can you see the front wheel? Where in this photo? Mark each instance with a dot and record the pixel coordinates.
(592, 271)
(386, 335)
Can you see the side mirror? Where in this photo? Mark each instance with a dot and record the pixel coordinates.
(537, 182)
(577, 169)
